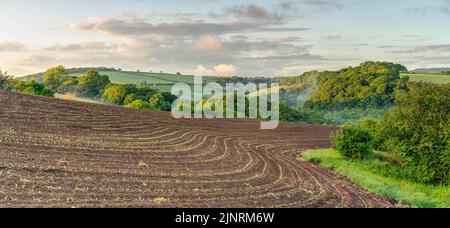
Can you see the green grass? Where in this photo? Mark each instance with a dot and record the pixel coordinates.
(163, 82)
(432, 78)
(382, 178)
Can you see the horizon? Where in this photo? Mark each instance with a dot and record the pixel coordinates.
(222, 38)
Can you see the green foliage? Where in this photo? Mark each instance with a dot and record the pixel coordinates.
(54, 77)
(32, 87)
(417, 131)
(139, 104)
(384, 178)
(374, 128)
(447, 72)
(371, 84)
(116, 94)
(6, 82)
(92, 83)
(68, 85)
(163, 101)
(353, 142)
(302, 115)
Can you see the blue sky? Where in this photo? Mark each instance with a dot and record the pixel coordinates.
(222, 37)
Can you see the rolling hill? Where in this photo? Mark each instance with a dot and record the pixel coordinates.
(432, 78)
(162, 81)
(430, 70)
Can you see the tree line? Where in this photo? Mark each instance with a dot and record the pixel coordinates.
(91, 85)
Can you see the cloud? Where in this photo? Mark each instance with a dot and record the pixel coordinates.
(133, 26)
(253, 12)
(432, 10)
(11, 47)
(438, 48)
(319, 6)
(89, 46)
(218, 70)
(208, 43)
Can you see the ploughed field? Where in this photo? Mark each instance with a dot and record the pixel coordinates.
(56, 153)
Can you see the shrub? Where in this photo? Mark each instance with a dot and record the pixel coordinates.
(418, 132)
(373, 127)
(353, 142)
(33, 88)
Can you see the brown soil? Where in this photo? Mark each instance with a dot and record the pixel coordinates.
(56, 153)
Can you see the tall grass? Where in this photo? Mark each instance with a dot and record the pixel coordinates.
(382, 178)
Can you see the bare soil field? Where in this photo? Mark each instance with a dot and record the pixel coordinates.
(56, 153)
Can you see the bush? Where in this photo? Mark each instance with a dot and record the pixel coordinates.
(418, 132)
(373, 127)
(353, 142)
(33, 88)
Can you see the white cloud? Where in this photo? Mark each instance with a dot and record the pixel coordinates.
(218, 70)
(208, 43)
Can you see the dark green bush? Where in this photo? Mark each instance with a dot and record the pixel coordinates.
(353, 142)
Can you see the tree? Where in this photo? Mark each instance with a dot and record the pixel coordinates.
(163, 101)
(139, 104)
(418, 132)
(54, 77)
(69, 85)
(6, 82)
(32, 87)
(114, 93)
(371, 84)
(92, 83)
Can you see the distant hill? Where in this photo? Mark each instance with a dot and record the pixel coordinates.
(162, 81)
(430, 70)
(71, 71)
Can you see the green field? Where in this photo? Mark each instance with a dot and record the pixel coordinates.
(383, 178)
(432, 78)
(163, 82)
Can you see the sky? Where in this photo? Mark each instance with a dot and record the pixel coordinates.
(222, 37)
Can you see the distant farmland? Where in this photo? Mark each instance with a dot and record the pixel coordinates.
(432, 78)
(162, 81)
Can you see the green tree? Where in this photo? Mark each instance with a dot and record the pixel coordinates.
(139, 104)
(371, 84)
(69, 85)
(34, 88)
(6, 82)
(92, 83)
(115, 94)
(163, 101)
(417, 131)
(54, 77)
